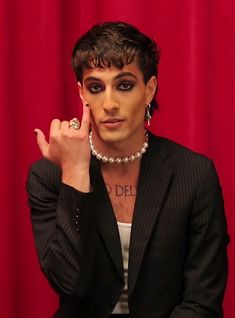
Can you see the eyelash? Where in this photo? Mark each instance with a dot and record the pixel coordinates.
(93, 88)
(96, 88)
(127, 83)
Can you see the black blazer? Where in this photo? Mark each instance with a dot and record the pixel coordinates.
(177, 257)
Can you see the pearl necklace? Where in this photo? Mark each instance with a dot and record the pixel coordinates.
(118, 160)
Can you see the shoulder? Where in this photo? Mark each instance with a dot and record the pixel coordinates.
(176, 152)
(184, 162)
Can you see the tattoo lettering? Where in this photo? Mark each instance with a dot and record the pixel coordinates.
(109, 188)
(121, 190)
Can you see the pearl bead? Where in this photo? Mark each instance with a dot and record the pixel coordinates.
(105, 159)
(111, 160)
(99, 156)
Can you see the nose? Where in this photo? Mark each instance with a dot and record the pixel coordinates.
(110, 104)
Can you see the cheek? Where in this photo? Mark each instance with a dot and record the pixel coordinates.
(90, 98)
(93, 112)
(94, 121)
(95, 102)
(137, 107)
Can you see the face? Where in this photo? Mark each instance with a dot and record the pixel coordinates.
(117, 99)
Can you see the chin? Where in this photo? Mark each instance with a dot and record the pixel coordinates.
(113, 137)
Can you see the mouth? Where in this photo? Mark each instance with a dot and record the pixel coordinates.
(112, 122)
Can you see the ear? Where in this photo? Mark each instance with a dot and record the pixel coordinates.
(80, 90)
(151, 87)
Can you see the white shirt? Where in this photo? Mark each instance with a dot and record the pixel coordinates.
(125, 234)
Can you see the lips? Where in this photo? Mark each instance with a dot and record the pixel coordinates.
(112, 120)
(113, 123)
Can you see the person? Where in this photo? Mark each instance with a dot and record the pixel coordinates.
(126, 223)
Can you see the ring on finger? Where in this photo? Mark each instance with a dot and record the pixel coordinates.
(74, 123)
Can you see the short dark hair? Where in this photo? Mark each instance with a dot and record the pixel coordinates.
(117, 44)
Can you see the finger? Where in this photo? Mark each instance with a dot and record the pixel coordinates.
(41, 141)
(64, 126)
(85, 124)
(55, 127)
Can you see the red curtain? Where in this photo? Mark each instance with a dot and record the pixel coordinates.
(196, 97)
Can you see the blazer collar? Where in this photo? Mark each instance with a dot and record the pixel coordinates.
(105, 218)
(154, 180)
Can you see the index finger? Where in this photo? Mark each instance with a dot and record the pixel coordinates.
(85, 123)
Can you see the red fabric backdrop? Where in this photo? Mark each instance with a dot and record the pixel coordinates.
(196, 96)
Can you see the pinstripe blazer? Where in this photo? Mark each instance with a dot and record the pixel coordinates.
(177, 256)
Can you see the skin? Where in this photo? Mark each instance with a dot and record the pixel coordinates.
(117, 100)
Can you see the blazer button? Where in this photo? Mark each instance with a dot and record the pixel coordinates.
(78, 228)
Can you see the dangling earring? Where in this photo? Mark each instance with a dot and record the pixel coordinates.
(147, 114)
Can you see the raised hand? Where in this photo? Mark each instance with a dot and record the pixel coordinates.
(68, 148)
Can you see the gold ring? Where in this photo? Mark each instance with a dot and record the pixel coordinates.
(74, 123)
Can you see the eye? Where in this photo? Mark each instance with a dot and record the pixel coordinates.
(125, 86)
(95, 88)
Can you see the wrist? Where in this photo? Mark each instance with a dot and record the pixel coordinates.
(77, 178)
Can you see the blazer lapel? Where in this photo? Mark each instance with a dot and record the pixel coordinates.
(105, 218)
(154, 181)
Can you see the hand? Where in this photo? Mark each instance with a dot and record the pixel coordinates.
(67, 147)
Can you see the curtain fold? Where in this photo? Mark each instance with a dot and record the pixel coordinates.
(196, 97)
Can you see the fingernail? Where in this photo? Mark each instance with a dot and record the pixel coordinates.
(35, 132)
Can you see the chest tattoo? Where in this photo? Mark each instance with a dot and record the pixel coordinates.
(124, 190)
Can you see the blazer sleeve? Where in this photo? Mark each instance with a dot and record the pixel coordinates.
(205, 270)
(59, 214)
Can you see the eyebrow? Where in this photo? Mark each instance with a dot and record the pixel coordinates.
(120, 75)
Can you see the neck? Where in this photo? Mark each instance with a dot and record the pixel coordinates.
(121, 157)
(121, 169)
